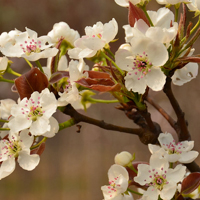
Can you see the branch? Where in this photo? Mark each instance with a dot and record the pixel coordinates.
(182, 129)
(171, 121)
(69, 110)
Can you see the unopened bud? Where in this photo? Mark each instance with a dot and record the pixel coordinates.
(123, 158)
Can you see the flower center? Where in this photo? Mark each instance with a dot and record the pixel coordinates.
(173, 148)
(142, 65)
(98, 35)
(158, 180)
(31, 46)
(35, 112)
(112, 187)
(11, 148)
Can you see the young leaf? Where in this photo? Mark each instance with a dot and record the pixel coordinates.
(190, 183)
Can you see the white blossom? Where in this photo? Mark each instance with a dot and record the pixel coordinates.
(159, 178)
(62, 30)
(71, 94)
(118, 180)
(29, 46)
(8, 37)
(123, 158)
(96, 38)
(35, 113)
(160, 32)
(194, 5)
(5, 108)
(185, 74)
(17, 148)
(125, 3)
(172, 2)
(142, 61)
(3, 64)
(174, 152)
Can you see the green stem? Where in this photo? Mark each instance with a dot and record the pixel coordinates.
(134, 192)
(132, 168)
(39, 65)
(4, 129)
(9, 70)
(192, 31)
(101, 100)
(67, 124)
(5, 121)
(110, 52)
(170, 165)
(176, 14)
(28, 62)
(6, 80)
(38, 144)
(147, 15)
(108, 58)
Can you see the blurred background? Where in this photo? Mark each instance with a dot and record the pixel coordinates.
(74, 165)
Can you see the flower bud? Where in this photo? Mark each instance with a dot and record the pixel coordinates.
(123, 158)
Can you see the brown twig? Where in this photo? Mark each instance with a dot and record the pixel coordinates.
(182, 129)
(171, 121)
(69, 110)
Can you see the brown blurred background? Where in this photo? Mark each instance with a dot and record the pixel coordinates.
(74, 165)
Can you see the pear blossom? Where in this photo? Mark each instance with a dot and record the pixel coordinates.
(5, 108)
(125, 3)
(118, 180)
(96, 38)
(62, 30)
(35, 113)
(29, 46)
(17, 147)
(8, 37)
(172, 2)
(160, 32)
(185, 74)
(142, 61)
(3, 64)
(194, 5)
(159, 178)
(71, 94)
(174, 152)
(123, 158)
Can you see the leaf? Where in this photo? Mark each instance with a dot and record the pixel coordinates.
(190, 59)
(135, 14)
(33, 80)
(55, 77)
(190, 183)
(95, 74)
(99, 84)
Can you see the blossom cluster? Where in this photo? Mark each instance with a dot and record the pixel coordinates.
(157, 51)
(159, 178)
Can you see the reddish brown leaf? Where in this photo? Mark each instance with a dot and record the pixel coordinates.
(190, 59)
(58, 76)
(190, 183)
(33, 80)
(39, 150)
(95, 74)
(135, 14)
(101, 85)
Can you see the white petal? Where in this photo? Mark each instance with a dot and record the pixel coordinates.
(26, 139)
(28, 162)
(176, 174)
(168, 191)
(7, 167)
(40, 126)
(188, 157)
(155, 79)
(54, 127)
(153, 148)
